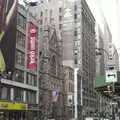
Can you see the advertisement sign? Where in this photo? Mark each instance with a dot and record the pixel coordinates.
(70, 100)
(4, 105)
(111, 76)
(7, 34)
(32, 37)
(55, 95)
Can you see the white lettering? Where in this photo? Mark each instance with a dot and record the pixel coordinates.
(32, 57)
(32, 30)
(32, 45)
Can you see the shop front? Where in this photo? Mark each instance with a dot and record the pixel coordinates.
(13, 110)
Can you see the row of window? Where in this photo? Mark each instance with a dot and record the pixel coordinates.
(18, 94)
(31, 78)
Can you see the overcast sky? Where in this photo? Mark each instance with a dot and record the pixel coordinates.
(111, 11)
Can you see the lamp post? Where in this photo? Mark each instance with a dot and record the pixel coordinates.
(75, 93)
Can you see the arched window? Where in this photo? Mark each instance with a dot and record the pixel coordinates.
(53, 65)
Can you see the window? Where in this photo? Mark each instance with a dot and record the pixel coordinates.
(75, 33)
(18, 94)
(60, 26)
(53, 69)
(30, 97)
(60, 10)
(60, 18)
(75, 7)
(19, 76)
(20, 39)
(41, 14)
(21, 21)
(20, 58)
(75, 61)
(31, 79)
(5, 93)
(75, 16)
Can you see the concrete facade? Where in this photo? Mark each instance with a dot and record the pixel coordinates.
(78, 35)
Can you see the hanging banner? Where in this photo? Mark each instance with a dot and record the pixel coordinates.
(32, 37)
(55, 95)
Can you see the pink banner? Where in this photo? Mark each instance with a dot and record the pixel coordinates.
(32, 37)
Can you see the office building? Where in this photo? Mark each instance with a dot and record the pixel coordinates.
(78, 34)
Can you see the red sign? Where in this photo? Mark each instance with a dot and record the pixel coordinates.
(32, 37)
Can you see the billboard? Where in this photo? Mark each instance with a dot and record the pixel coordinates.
(7, 34)
(32, 38)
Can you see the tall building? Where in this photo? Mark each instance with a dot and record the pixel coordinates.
(100, 64)
(78, 34)
(51, 75)
(19, 81)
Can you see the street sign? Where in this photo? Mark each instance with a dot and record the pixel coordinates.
(111, 76)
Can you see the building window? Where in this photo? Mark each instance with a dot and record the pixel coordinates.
(60, 10)
(21, 21)
(20, 39)
(75, 33)
(75, 16)
(30, 97)
(41, 14)
(75, 7)
(31, 79)
(60, 26)
(60, 18)
(18, 94)
(5, 93)
(53, 68)
(19, 76)
(20, 58)
(75, 61)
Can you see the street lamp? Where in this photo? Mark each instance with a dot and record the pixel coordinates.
(75, 93)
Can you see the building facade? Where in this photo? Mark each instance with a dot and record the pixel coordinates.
(78, 34)
(69, 92)
(19, 83)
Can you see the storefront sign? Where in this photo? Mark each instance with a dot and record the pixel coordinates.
(4, 105)
(32, 36)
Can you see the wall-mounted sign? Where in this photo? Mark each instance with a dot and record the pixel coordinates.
(111, 76)
(5, 105)
(32, 37)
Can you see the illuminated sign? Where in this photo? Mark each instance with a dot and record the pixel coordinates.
(32, 36)
(4, 105)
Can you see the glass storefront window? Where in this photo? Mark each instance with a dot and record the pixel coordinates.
(31, 97)
(18, 94)
(31, 79)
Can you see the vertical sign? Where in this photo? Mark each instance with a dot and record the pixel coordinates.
(32, 37)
